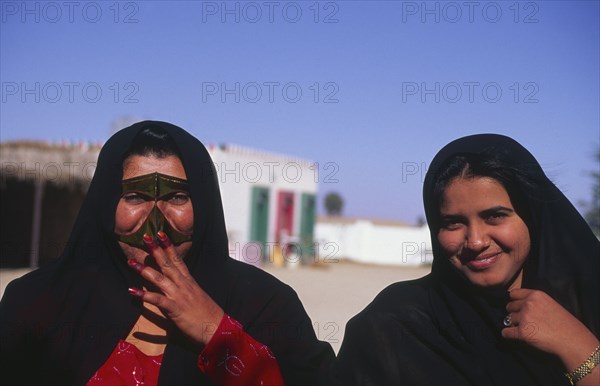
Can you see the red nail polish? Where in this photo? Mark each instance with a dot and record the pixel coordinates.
(135, 265)
(150, 243)
(136, 292)
(163, 239)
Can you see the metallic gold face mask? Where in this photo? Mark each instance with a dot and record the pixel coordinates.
(154, 186)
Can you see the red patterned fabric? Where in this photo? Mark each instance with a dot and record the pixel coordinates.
(233, 357)
(127, 365)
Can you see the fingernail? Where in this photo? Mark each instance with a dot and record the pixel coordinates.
(163, 239)
(135, 265)
(149, 241)
(136, 292)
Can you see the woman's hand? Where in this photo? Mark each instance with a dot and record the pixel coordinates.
(180, 298)
(538, 320)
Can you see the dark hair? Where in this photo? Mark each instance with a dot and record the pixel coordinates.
(153, 141)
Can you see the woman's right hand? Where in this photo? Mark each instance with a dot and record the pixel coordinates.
(538, 320)
(180, 299)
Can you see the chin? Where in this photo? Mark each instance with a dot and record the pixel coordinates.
(486, 280)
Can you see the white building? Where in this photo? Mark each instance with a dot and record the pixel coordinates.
(269, 201)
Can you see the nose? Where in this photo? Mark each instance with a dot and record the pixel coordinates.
(476, 239)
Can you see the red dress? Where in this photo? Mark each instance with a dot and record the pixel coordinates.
(231, 357)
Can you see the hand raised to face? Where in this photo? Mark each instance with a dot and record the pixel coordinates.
(179, 296)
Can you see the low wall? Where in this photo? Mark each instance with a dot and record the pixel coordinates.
(367, 242)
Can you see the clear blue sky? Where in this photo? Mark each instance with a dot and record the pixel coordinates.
(402, 79)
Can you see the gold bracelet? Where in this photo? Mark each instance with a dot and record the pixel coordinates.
(585, 368)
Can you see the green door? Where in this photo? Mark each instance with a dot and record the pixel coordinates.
(307, 224)
(259, 219)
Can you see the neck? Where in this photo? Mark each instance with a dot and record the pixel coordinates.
(516, 283)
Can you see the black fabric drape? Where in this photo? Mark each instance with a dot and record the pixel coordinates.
(61, 322)
(441, 330)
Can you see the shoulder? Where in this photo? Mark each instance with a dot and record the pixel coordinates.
(37, 294)
(404, 295)
(253, 278)
(22, 291)
(406, 303)
(251, 290)
(26, 302)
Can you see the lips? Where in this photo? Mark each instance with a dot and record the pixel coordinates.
(483, 262)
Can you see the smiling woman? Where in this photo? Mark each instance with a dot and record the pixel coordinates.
(145, 291)
(513, 294)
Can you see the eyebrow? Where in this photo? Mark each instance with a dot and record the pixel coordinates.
(496, 209)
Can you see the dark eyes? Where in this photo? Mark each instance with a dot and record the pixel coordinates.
(495, 218)
(178, 199)
(134, 198)
(453, 223)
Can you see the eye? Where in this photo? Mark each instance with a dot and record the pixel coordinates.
(178, 198)
(451, 223)
(133, 198)
(495, 218)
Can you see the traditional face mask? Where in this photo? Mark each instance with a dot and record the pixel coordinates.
(154, 186)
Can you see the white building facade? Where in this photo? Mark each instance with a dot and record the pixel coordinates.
(269, 202)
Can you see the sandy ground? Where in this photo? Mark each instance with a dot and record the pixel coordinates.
(331, 293)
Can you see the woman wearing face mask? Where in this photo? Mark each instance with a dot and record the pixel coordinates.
(513, 296)
(145, 291)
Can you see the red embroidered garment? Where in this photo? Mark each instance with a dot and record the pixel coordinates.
(231, 357)
(127, 365)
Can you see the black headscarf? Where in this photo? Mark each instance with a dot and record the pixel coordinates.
(441, 329)
(61, 322)
(565, 261)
